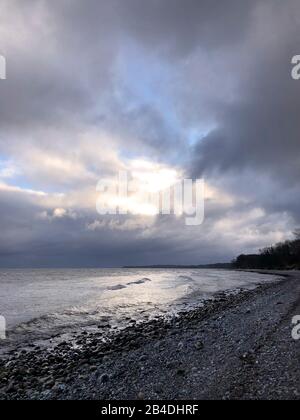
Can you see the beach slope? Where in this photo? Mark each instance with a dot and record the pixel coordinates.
(236, 347)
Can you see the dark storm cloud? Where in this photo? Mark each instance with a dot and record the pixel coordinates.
(66, 241)
(263, 130)
(65, 59)
(259, 135)
(183, 26)
(177, 25)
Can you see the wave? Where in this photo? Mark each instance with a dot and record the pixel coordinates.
(131, 283)
(117, 287)
(141, 281)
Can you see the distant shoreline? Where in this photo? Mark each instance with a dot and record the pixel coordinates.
(227, 266)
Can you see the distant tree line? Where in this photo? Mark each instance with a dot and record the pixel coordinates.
(284, 255)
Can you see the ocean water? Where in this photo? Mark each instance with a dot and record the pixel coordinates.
(43, 303)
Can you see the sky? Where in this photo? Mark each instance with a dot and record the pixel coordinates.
(161, 89)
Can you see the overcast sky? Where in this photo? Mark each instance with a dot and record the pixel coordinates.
(196, 88)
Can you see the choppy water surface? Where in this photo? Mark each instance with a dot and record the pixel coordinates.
(47, 302)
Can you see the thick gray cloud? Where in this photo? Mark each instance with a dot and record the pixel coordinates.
(202, 86)
(259, 134)
(64, 53)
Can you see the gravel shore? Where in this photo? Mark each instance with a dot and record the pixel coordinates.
(235, 347)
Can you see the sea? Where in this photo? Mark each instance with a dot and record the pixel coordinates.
(39, 304)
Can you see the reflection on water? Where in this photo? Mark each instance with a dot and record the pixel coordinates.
(41, 301)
